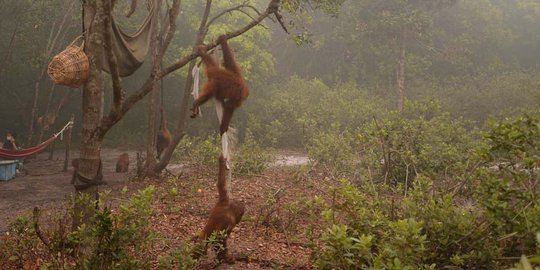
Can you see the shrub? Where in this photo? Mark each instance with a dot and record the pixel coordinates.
(420, 140)
(17, 246)
(199, 152)
(116, 240)
(509, 182)
(457, 236)
(332, 150)
(251, 157)
(290, 113)
(365, 229)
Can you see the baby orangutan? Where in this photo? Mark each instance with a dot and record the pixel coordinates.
(122, 164)
(223, 217)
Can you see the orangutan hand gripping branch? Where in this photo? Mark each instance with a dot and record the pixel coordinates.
(224, 216)
(225, 84)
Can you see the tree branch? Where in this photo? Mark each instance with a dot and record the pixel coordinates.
(173, 14)
(181, 124)
(230, 10)
(118, 92)
(115, 116)
(271, 9)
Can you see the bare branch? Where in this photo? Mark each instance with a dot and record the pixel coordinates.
(271, 9)
(173, 14)
(115, 116)
(37, 229)
(51, 46)
(280, 20)
(180, 126)
(118, 92)
(230, 10)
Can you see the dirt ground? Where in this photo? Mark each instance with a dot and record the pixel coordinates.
(46, 184)
(268, 242)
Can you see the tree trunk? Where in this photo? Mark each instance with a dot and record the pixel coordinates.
(33, 112)
(400, 77)
(51, 150)
(154, 95)
(181, 125)
(9, 51)
(92, 112)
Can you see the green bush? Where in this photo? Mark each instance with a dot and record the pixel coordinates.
(251, 157)
(422, 231)
(420, 140)
(457, 235)
(508, 183)
(116, 240)
(289, 114)
(22, 241)
(198, 152)
(333, 150)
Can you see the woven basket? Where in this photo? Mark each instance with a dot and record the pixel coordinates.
(70, 67)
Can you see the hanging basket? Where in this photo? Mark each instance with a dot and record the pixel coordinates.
(70, 67)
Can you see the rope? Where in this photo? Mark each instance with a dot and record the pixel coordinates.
(68, 125)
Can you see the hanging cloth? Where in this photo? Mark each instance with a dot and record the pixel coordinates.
(195, 93)
(130, 49)
(23, 153)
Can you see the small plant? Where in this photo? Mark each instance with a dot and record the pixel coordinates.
(19, 243)
(215, 241)
(179, 258)
(528, 263)
(199, 152)
(116, 239)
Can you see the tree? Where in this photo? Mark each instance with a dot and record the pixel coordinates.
(95, 124)
(399, 25)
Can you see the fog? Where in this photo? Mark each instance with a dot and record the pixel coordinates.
(476, 58)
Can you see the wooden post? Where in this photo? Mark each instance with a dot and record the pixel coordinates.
(51, 150)
(68, 143)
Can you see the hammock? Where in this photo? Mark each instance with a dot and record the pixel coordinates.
(130, 50)
(23, 153)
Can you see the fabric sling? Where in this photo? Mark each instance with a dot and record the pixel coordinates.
(130, 49)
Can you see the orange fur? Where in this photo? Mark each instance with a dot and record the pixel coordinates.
(225, 84)
(225, 215)
(122, 165)
(164, 137)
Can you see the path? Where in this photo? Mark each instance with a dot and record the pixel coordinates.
(46, 184)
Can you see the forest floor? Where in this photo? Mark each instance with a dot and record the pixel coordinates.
(271, 234)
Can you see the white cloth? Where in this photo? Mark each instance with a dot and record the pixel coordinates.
(225, 137)
(196, 80)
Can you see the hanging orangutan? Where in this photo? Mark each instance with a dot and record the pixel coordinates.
(225, 84)
(164, 138)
